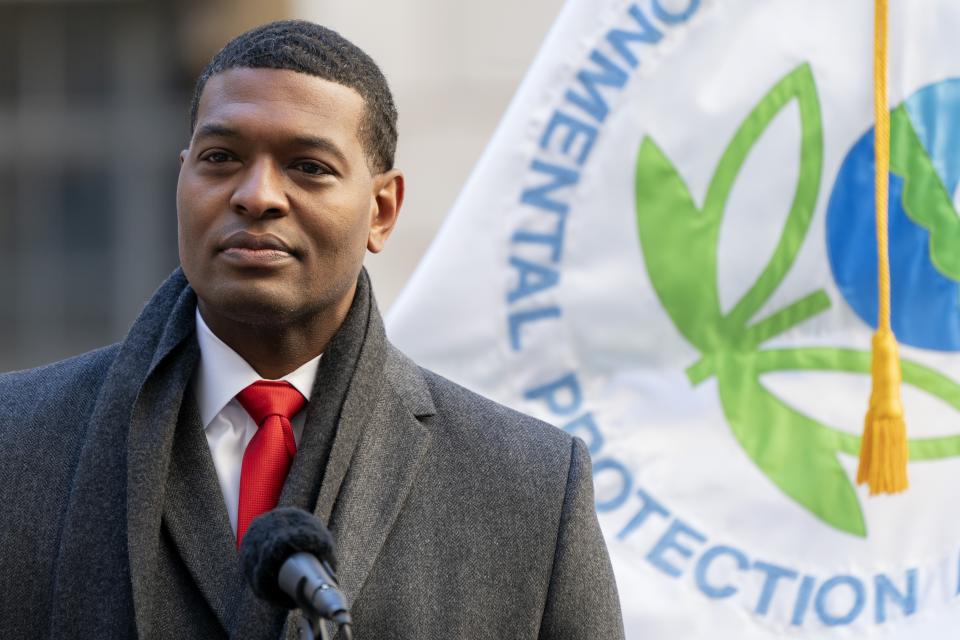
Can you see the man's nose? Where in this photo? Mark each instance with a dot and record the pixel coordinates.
(260, 191)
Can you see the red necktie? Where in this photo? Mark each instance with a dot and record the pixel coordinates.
(267, 459)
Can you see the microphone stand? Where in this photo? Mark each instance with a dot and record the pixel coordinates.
(315, 598)
(311, 628)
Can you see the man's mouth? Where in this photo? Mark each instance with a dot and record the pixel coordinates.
(255, 249)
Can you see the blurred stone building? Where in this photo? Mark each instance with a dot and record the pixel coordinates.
(93, 111)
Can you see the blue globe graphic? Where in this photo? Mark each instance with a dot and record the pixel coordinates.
(925, 303)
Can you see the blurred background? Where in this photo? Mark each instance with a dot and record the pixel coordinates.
(93, 111)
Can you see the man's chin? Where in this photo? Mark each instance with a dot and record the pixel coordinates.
(255, 306)
(272, 302)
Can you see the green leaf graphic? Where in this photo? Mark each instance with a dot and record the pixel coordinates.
(667, 218)
(915, 375)
(799, 453)
(796, 452)
(685, 281)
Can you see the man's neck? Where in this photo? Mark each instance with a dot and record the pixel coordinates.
(274, 350)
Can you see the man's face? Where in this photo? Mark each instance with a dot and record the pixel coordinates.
(276, 203)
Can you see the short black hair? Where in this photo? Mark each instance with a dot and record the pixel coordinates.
(298, 45)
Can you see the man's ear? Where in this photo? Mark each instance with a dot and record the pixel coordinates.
(385, 208)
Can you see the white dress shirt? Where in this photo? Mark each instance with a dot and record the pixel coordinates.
(221, 375)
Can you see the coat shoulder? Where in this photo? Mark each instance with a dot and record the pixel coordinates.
(61, 393)
(498, 435)
(44, 413)
(450, 396)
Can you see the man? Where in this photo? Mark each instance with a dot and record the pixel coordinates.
(129, 474)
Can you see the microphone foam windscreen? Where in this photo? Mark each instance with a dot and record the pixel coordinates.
(274, 537)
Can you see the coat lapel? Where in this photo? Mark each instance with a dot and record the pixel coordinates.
(380, 467)
(379, 442)
(196, 517)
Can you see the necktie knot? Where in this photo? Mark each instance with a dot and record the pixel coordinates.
(266, 398)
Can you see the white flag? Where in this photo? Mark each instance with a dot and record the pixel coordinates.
(667, 250)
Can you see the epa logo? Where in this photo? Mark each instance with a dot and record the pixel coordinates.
(794, 450)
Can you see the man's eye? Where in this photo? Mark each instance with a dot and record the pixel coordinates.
(217, 157)
(312, 168)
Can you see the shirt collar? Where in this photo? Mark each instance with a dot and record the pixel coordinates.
(222, 374)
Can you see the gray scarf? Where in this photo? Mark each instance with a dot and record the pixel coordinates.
(117, 496)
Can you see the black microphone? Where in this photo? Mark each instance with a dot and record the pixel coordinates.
(288, 560)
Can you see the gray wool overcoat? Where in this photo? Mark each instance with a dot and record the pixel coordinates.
(454, 517)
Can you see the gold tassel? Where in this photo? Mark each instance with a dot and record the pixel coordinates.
(883, 448)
